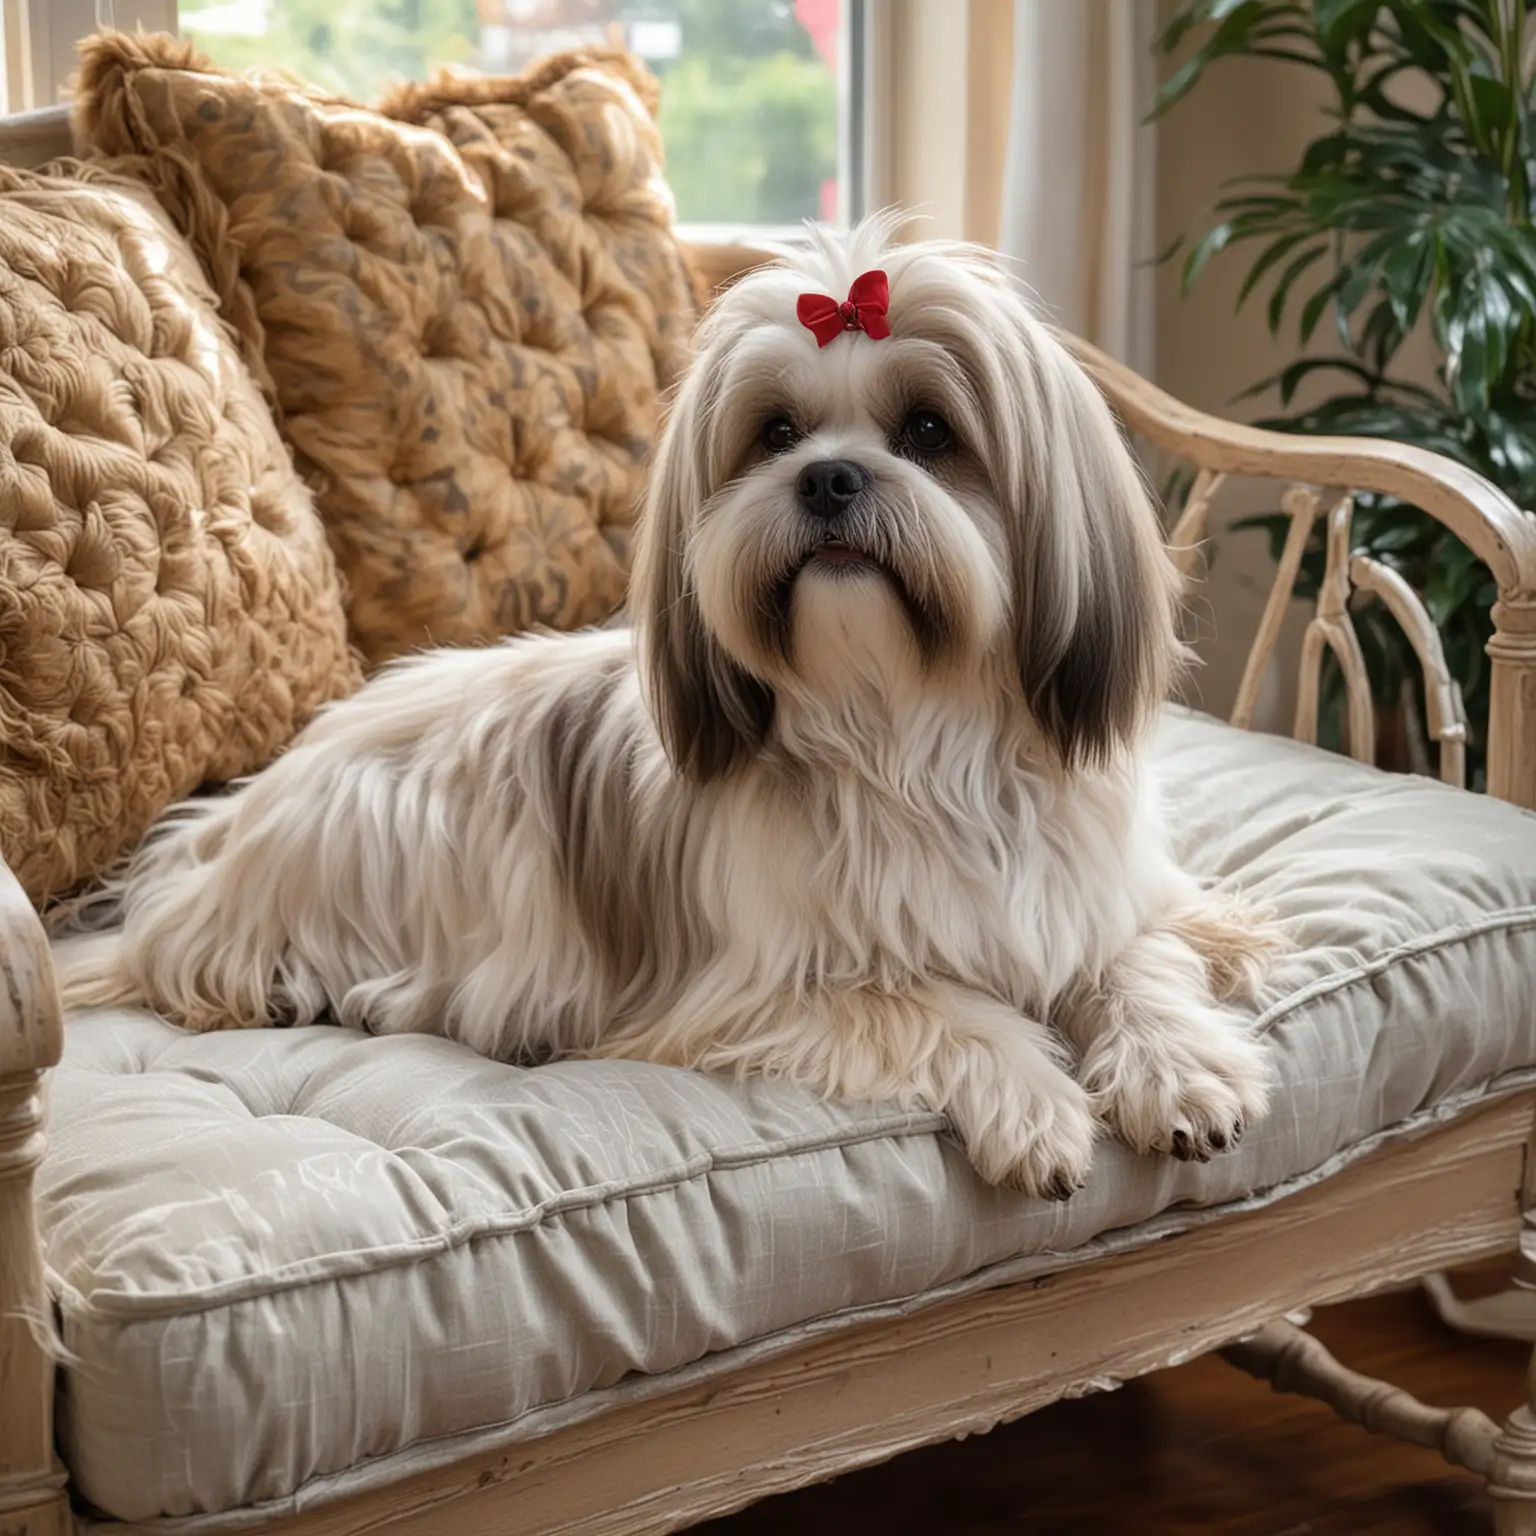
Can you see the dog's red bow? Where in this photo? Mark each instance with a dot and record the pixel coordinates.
(863, 310)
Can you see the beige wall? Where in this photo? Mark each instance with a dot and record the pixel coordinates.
(1245, 116)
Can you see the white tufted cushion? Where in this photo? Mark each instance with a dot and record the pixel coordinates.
(291, 1264)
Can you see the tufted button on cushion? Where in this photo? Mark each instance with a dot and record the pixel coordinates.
(466, 307)
(169, 611)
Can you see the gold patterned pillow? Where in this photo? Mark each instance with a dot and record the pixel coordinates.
(466, 333)
(169, 610)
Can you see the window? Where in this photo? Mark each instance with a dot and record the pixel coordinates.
(758, 96)
(37, 42)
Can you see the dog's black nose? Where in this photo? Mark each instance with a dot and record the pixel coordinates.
(829, 486)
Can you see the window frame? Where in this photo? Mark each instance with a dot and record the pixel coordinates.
(39, 57)
(40, 38)
(861, 30)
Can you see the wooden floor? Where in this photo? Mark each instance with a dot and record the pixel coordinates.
(1200, 1448)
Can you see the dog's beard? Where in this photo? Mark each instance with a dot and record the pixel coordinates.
(763, 570)
(863, 545)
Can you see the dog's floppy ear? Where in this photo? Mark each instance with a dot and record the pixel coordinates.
(1096, 592)
(711, 714)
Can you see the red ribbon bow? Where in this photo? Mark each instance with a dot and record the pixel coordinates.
(863, 310)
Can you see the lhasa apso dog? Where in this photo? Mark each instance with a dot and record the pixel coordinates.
(861, 801)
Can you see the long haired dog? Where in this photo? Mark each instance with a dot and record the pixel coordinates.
(861, 802)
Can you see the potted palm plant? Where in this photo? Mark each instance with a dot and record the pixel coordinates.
(1412, 209)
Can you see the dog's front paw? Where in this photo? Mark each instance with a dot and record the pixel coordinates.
(1189, 1089)
(1030, 1132)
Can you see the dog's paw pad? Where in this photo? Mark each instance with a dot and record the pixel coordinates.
(1062, 1187)
(1177, 1098)
(1041, 1145)
(1190, 1146)
(1035, 1176)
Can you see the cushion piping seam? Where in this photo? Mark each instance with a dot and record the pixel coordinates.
(243, 1290)
(1508, 919)
(129, 1307)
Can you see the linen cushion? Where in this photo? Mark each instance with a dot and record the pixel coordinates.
(169, 610)
(466, 334)
(293, 1264)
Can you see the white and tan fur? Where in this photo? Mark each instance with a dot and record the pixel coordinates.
(865, 819)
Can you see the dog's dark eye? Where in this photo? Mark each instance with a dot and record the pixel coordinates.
(925, 432)
(779, 435)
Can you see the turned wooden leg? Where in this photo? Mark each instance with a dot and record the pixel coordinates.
(1512, 1477)
(1293, 1361)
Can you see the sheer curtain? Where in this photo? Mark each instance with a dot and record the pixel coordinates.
(1079, 192)
(939, 81)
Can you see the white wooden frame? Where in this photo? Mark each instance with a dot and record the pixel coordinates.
(1455, 1193)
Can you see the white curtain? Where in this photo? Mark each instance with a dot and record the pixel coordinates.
(1079, 193)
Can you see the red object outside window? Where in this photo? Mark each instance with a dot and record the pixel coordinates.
(820, 19)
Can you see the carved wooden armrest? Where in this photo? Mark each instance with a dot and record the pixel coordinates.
(31, 1041)
(1498, 532)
